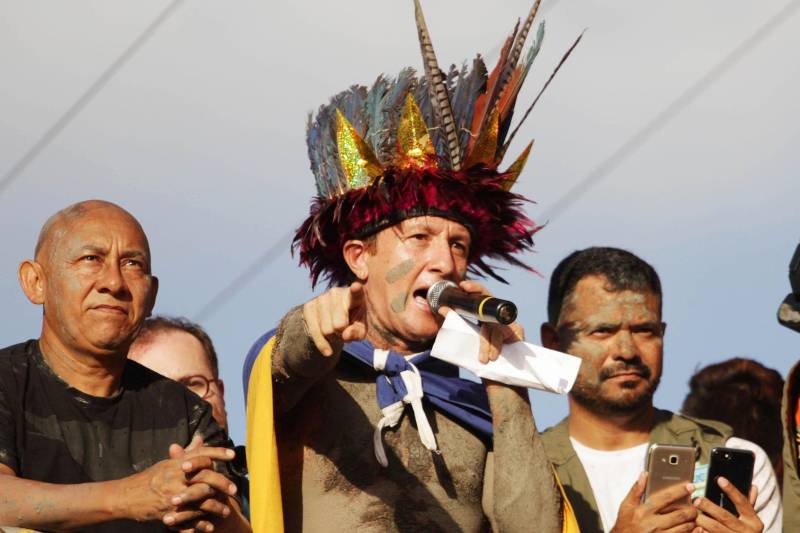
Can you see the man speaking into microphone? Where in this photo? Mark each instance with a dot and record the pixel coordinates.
(478, 306)
(370, 432)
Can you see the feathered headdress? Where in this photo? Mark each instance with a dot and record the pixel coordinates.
(413, 146)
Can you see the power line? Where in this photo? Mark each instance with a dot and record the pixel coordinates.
(240, 281)
(262, 262)
(579, 189)
(78, 106)
(674, 108)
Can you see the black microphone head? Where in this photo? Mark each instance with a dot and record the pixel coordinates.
(435, 291)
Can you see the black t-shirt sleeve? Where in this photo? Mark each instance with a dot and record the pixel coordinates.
(9, 455)
(8, 433)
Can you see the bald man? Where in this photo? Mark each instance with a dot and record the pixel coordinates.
(88, 439)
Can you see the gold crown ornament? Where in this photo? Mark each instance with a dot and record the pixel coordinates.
(428, 145)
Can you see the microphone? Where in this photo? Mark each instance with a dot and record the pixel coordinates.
(476, 306)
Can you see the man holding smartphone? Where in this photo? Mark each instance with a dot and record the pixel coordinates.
(604, 306)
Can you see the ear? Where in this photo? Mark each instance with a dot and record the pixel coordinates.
(221, 386)
(151, 299)
(32, 280)
(549, 336)
(355, 255)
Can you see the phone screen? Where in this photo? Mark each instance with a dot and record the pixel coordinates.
(734, 465)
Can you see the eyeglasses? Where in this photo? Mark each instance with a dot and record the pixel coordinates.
(199, 385)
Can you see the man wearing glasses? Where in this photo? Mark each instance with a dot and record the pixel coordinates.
(182, 351)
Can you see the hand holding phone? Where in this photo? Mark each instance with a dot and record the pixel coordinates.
(669, 465)
(660, 512)
(734, 465)
(714, 518)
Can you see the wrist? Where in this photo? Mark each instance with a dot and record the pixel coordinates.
(114, 499)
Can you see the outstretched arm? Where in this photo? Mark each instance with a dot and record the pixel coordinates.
(309, 341)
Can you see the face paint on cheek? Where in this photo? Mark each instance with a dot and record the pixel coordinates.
(398, 303)
(588, 376)
(593, 355)
(398, 271)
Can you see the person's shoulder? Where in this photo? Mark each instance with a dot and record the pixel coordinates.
(140, 379)
(559, 429)
(172, 400)
(21, 349)
(556, 439)
(16, 354)
(681, 423)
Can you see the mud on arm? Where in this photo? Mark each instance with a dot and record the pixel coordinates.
(297, 363)
(520, 488)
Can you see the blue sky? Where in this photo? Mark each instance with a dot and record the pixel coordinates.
(201, 136)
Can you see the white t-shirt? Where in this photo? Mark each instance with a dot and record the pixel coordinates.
(612, 474)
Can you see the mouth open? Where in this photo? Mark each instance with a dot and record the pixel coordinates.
(420, 295)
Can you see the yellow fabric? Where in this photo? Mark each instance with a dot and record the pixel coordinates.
(570, 523)
(266, 510)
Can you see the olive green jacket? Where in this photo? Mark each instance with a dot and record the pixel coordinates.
(791, 480)
(668, 428)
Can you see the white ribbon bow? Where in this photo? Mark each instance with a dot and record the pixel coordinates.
(394, 412)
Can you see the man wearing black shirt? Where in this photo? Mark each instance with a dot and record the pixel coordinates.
(88, 439)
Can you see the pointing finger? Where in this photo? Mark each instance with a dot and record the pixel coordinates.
(356, 295)
(313, 329)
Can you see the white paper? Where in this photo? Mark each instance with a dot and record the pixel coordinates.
(520, 363)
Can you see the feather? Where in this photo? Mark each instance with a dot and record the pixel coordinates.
(351, 104)
(505, 80)
(505, 105)
(391, 106)
(485, 102)
(530, 108)
(374, 113)
(516, 50)
(423, 98)
(469, 86)
(312, 140)
(534, 49)
(507, 99)
(322, 153)
(440, 100)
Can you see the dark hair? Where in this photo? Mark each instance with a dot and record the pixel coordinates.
(744, 394)
(153, 326)
(622, 269)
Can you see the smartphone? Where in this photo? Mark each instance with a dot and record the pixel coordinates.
(668, 465)
(734, 465)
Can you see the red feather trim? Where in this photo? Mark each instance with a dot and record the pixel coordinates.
(474, 198)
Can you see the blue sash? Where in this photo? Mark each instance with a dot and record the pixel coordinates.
(461, 399)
